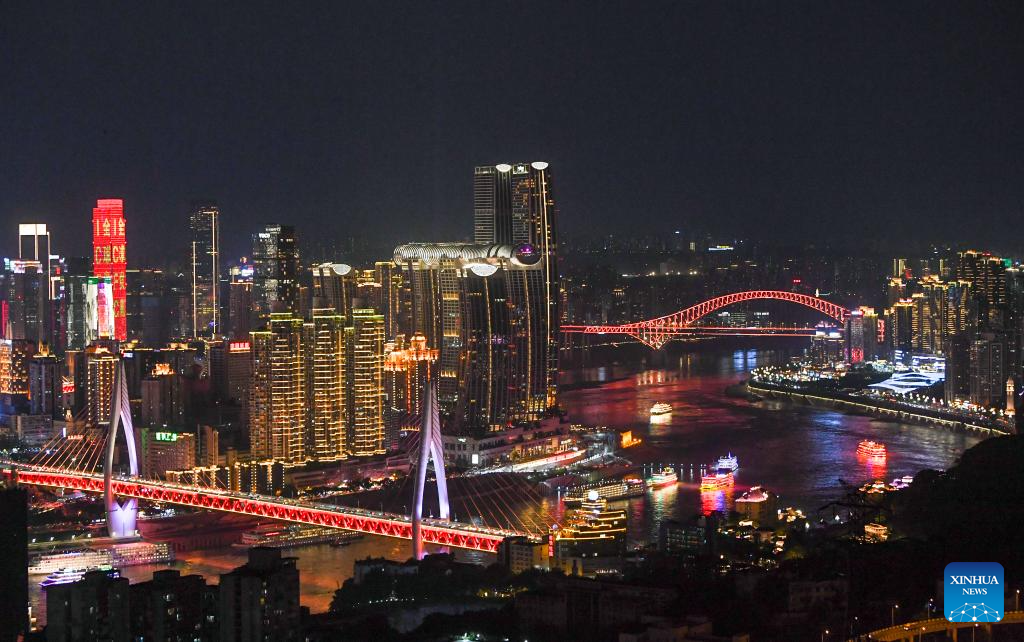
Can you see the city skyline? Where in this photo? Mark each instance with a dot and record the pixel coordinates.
(704, 118)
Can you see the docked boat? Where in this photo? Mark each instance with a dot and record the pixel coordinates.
(729, 463)
(871, 449)
(665, 477)
(717, 481)
(609, 490)
(290, 536)
(661, 408)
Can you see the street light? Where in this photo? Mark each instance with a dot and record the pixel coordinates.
(823, 635)
(1016, 601)
(892, 614)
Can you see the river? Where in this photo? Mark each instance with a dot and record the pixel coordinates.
(798, 452)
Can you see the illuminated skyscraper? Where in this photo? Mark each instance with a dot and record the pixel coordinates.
(334, 286)
(275, 258)
(109, 258)
(204, 222)
(514, 204)
(277, 395)
(101, 368)
(76, 303)
(483, 308)
(324, 345)
(366, 356)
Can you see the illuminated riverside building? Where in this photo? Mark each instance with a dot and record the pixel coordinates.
(392, 296)
(366, 382)
(101, 368)
(987, 276)
(899, 324)
(275, 286)
(324, 349)
(939, 311)
(861, 335)
(109, 258)
(277, 417)
(406, 373)
(483, 308)
(165, 450)
(204, 222)
(826, 345)
(75, 304)
(45, 384)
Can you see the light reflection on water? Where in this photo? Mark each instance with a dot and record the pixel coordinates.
(806, 455)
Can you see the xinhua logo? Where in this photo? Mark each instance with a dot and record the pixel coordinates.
(974, 592)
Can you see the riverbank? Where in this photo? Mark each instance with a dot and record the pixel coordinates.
(850, 404)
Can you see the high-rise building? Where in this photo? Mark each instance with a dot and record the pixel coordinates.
(109, 257)
(276, 271)
(45, 385)
(204, 222)
(988, 369)
(366, 359)
(101, 368)
(164, 450)
(27, 302)
(987, 276)
(277, 417)
(324, 344)
(484, 309)
(334, 286)
(260, 601)
(239, 309)
(76, 303)
(391, 296)
(514, 204)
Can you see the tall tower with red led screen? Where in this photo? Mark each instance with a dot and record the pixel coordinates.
(108, 255)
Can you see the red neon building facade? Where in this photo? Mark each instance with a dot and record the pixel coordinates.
(108, 247)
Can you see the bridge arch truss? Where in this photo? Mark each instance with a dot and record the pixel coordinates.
(656, 332)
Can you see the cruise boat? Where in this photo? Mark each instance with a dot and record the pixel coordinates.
(290, 536)
(67, 576)
(661, 408)
(717, 481)
(137, 553)
(871, 449)
(664, 477)
(729, 463)
(610, 490)
(82, 559)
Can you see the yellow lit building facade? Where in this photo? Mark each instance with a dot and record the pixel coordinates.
(277, 417)
(324, 349)
(366, 358)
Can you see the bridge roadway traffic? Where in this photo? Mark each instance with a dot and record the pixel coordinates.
(911, 631)
(434, 531)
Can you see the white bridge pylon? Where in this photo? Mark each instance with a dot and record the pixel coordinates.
(120, 516)
(431, 448)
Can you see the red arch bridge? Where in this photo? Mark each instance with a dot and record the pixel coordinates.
(656, 332)
(433, 531)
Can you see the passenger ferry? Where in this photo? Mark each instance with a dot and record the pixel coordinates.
(136, 553)
(871, 449)
(729, 463)
(67, 576)
(717, 481)
(84, 559)
(610, 490)
(87, 559)
(661, 408)
(664, 477)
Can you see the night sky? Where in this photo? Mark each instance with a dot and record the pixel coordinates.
(818, 120)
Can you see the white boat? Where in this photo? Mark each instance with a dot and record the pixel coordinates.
(661, 408)
(84, 559)
(67, 576)
(664, 477)
(729, 463)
